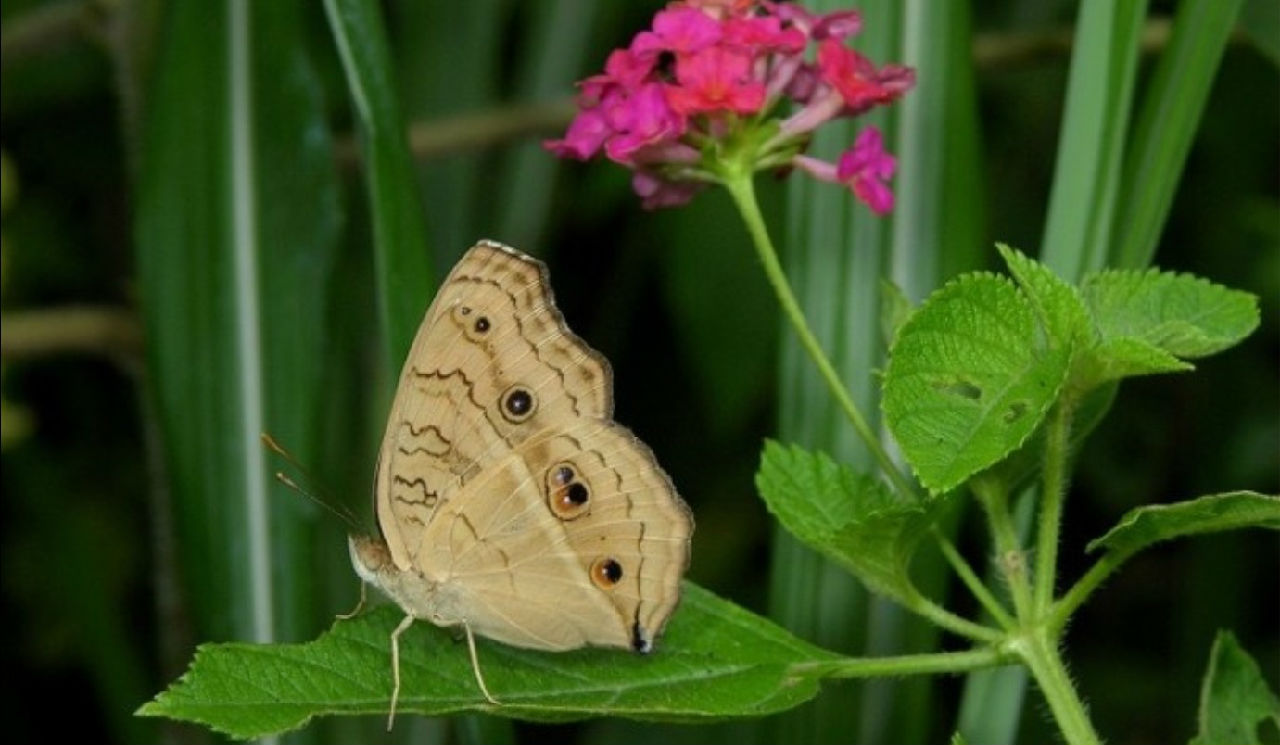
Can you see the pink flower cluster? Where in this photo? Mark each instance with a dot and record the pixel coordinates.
(698, 91)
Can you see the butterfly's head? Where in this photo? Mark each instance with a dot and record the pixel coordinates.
(370, 557)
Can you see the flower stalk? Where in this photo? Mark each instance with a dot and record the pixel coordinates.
(739, 182)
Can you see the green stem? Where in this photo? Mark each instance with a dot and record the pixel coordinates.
(994, 498)
(1041, 655)
(910, 664)
(971, 580)
(741, 187)
(944, 618)
(1062, 610)
(1056, 444)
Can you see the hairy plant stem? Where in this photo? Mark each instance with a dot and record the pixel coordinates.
(1062, 610)
(1057, 442)
(1039, 650)
(943, 618)
(973, 582)
(993, 495)
(910, 664)
(737, 178)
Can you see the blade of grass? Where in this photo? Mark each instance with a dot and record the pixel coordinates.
(938, 232)
(1167, 125)
(190, 298)
(1091, 142)
(833, 260)
(299, 218)
(230, 165)
(402, 269)
(939, 225)
(834, 254)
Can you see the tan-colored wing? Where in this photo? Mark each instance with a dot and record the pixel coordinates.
(492, 363)
(576, 538)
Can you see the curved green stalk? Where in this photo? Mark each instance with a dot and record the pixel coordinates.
(950, 621)
(973, 582)
(994, 498)
(1040, 653)
(909, 664)
(1062, 610)
(742, 188)
(1053, 492)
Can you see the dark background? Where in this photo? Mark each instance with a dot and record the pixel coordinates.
(80, 528)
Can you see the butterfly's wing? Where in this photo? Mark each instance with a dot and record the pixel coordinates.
(575, 537)
(492, 363)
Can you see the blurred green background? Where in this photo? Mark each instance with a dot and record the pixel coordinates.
(128, 537)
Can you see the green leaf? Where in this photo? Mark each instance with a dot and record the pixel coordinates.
(1186, 316)
(1024, 463)
(849, 517)
(969, 379)
(1153, 523)
(1260, 23)
(1234, 698)
(1125, 357)
(1057, 304)
(1147, 320)
(716, 660)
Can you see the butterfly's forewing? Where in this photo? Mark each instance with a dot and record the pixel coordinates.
(491, 363)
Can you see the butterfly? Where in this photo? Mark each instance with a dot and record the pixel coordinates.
(508, 501)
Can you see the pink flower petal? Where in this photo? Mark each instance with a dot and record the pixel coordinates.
(865, 167)
(642, 119)
(763, 34)
(858, 81)
(587, 132)
(840, 24)
(679, 29)
(724, 8)
(714, 80)
(628, 69)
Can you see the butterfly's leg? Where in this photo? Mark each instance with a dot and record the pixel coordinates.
(355, 611)
(475, 665)
(395, 667)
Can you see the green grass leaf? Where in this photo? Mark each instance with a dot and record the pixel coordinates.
(237, 218)
(1168, 121)
(715, 661)
(1153, 523)
(1095, 120)
(969, 379)
(1234, 698)
(404, 274)
(849, 517)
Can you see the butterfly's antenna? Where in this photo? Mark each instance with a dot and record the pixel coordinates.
(341, 511)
